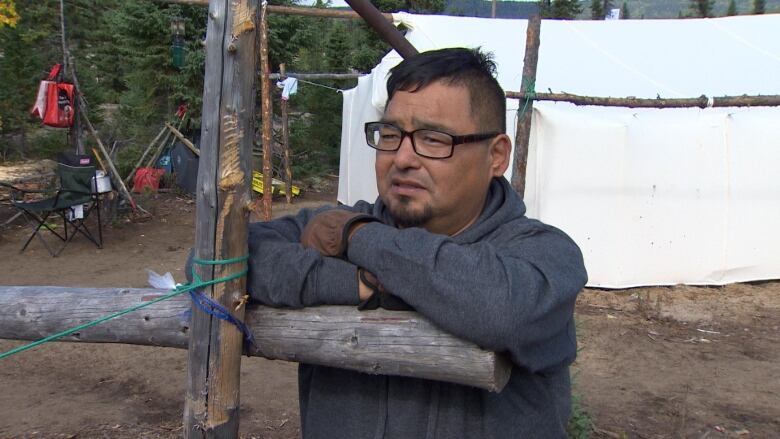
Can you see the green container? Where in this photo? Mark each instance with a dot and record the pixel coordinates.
(178, 54)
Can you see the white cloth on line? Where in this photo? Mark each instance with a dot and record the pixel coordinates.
(289, 87)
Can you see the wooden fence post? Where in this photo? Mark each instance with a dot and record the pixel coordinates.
(214, 359)
(526, 109)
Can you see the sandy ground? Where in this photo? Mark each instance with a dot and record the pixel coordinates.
(677, 362)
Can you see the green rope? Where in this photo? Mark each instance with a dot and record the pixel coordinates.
(530, 93)
(197, 283)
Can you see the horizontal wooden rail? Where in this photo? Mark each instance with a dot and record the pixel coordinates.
(295, 10)
(700, 102)
(377, 342)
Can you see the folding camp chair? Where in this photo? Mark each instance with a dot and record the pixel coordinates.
(73, 201)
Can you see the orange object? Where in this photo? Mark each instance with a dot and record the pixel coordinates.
(147, 178)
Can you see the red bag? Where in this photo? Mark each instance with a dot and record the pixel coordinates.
(54, 103)
(59, 105)
(147, 177)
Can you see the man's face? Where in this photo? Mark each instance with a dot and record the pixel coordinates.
(441, 195)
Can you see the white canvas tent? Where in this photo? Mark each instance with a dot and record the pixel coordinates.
(653, 197)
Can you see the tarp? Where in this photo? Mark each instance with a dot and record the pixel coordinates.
(653, 197)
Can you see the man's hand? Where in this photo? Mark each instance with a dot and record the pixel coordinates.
(373, 294)
(329, 232)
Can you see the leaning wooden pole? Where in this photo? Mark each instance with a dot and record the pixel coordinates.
(117, 178)
(526, 109)
(212, 400)
(267, 115)
(386, 31)
(129, 177)
(286, 146)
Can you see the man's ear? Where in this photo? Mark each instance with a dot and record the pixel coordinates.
(500, 150)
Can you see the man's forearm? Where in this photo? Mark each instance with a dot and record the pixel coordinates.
(515, 300)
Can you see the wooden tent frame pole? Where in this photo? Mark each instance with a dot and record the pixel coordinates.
(700, 102)
(211, 407)
(523, 133)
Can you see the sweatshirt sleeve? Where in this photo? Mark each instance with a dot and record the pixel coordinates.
(514, 293)
(284, 273)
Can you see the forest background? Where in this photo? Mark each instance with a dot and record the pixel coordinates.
(122, 55)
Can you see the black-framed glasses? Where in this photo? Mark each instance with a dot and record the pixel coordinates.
(426, 143)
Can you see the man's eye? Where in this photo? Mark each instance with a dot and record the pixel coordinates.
(388, 137)
(434, 140)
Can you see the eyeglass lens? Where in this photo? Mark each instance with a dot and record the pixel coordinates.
(428, 143)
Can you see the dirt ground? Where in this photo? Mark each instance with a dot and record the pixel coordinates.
(679, 362)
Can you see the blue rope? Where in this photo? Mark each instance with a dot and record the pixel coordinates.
(214, 308)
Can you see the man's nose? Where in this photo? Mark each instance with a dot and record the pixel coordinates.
(405, 157)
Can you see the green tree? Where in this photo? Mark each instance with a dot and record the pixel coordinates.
(597, 10)
(701, 8)
(732, 10)
(759, 6)
(152, 87)
(27, 52)
(625, 12)
(561, 9)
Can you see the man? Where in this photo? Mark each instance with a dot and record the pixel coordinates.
(447, 236)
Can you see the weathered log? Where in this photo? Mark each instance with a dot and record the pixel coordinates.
(377, 342)
(211, 407)
(523, 134)
(700, 102)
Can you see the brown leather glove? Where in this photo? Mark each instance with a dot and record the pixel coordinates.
(380, 298)
(328, 232)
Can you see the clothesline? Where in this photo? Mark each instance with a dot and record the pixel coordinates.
(322, 85)
(290, 86)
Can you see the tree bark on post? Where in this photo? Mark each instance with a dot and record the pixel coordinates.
(523, 134)
(267, 112)
(286, 146)
(212, 400)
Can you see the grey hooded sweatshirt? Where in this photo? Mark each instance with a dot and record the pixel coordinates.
(507, 283)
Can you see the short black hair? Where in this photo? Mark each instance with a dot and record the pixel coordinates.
(470, 68)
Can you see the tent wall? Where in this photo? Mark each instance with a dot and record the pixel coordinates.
(653, 197)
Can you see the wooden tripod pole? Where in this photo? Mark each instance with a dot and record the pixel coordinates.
(143, 156)
(118, 178)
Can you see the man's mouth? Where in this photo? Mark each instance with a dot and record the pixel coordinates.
(405, 187)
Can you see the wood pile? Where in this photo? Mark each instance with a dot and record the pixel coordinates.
(28, 175)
